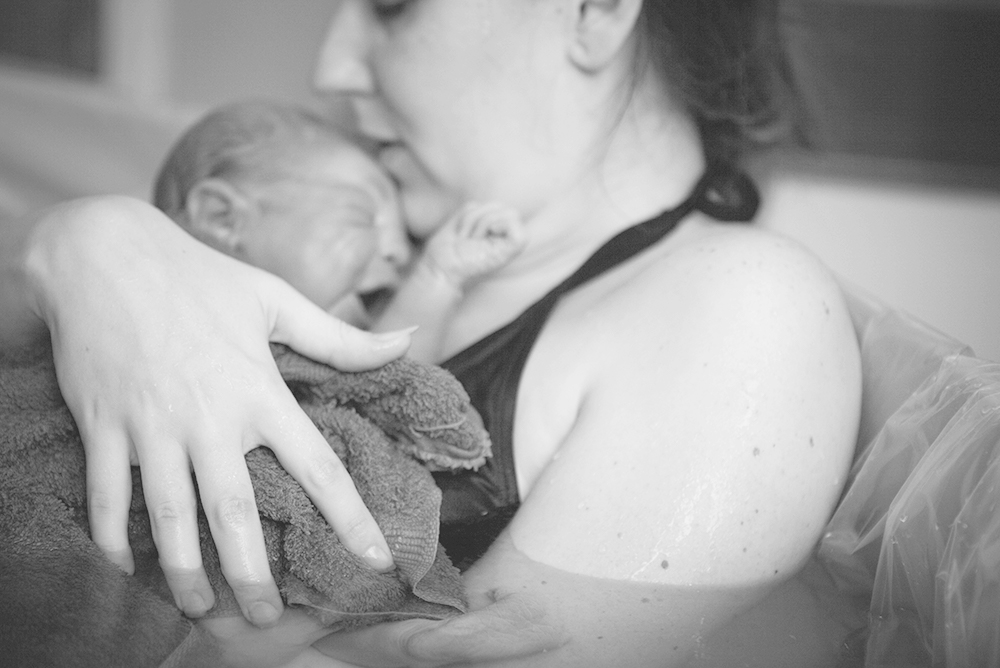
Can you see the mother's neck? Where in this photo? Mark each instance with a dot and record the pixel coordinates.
(650, 164)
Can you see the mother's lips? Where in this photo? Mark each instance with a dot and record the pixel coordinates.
(401, 164)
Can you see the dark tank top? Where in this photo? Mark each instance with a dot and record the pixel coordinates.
(477, 505)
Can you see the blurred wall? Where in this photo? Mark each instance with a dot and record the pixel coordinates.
(929, 245)
(226, 49)
(922, 246)
(905, 79)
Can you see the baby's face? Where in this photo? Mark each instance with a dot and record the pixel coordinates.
(321, 228)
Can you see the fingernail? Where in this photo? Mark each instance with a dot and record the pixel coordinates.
(124, 560)
(391, 337)
(378, 558)
(262, 613)
(193, 604)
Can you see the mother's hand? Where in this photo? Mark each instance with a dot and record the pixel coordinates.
(161, 349)
(512, 627)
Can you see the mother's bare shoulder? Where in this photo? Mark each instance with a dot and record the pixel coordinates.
(738, 274)
(717, 402)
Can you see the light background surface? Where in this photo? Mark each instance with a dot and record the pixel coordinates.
(922, 236)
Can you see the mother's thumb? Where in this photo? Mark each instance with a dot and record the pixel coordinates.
(310, 331)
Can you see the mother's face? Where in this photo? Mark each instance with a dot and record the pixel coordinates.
(467, 97)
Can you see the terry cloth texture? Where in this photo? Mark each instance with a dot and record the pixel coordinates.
(63, 603)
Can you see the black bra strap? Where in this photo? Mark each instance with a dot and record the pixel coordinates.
(722, 192)
(477, 505)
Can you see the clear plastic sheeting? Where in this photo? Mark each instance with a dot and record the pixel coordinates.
(917, 531)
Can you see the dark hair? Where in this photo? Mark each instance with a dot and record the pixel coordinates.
(725, 61)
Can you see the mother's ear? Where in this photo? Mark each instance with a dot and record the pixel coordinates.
(602, 27)
(218, 214)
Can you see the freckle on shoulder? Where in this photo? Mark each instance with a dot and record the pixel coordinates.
(752, 252)
(734, 254)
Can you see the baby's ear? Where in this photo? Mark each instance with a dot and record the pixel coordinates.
(601, 28)
(217, 214)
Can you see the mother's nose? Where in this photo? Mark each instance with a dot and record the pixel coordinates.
(342, 65)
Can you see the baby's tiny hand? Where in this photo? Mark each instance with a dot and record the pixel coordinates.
(476, 240)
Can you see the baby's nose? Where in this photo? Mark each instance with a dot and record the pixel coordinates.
(394, 247)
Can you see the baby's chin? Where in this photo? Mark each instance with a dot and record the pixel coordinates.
(352, 310)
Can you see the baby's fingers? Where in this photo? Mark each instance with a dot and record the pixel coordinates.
(507, 225)
(496, 222)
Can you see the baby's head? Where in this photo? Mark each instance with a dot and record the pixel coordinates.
(284, 190)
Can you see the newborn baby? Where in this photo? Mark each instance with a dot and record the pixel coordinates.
(282, 189)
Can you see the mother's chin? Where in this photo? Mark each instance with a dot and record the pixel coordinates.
(425, 203)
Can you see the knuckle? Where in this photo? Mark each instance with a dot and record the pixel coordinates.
(327, 473)
(235, 513)
(168, 513)
(356, 528)
(102, 505)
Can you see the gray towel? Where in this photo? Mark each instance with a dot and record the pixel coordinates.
(64, 604)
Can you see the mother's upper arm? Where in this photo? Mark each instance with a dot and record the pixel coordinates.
(716, 423)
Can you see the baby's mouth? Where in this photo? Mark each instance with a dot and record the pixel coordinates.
(375, 301)
(351, 310)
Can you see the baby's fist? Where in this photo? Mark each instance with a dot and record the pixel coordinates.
(476, 240)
